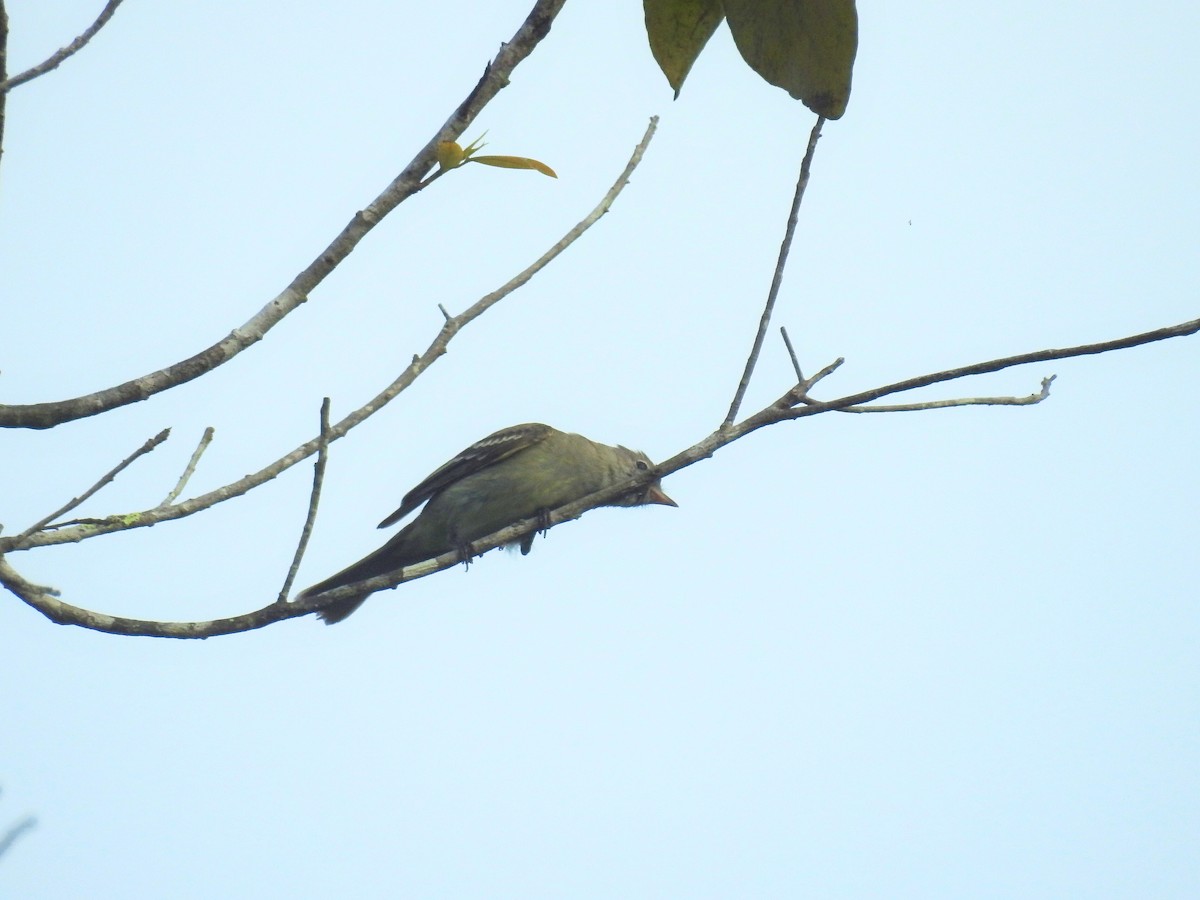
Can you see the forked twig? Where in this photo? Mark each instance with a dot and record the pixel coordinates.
(777, 279)
(105, 479)
(314, 499)
(56, 59)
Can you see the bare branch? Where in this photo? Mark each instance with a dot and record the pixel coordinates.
(1029, 400)
(190, 469)
(57, 58)
(45, 600)
(786, 409)
(1147, 337)
(71, 504)
(408, 182)
(313, 500)
(777, 279)
(419, 364)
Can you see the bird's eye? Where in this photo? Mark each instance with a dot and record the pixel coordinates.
(642, 466)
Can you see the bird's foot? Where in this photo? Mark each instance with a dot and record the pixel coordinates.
(466, 552)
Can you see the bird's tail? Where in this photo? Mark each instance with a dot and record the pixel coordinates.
(336, 611)
(381, 562)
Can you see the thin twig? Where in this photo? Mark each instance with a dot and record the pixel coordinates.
(105, 479)
(313, 500)
(190, 469)
(777, 279)
(1028, 400)
(56, 59)
(787, 342)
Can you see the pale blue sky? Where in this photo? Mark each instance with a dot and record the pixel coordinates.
(938, 655)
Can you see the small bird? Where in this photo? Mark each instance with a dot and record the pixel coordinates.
(516, 473)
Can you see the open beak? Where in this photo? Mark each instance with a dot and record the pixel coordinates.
(654, 494)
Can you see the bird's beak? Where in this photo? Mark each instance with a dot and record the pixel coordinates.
(654, 494)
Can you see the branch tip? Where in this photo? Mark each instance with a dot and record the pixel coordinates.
(787, 342)
(190, 468)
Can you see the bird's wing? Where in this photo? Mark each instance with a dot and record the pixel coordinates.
(487, 452)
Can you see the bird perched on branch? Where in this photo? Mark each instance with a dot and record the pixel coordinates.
(516, 473)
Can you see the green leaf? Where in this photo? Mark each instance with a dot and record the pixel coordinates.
(806, 47)
(678, 31)
(514, 162)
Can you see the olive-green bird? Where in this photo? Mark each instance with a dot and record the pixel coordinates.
(516, 473)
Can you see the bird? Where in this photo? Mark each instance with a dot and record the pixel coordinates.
(515, 473)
